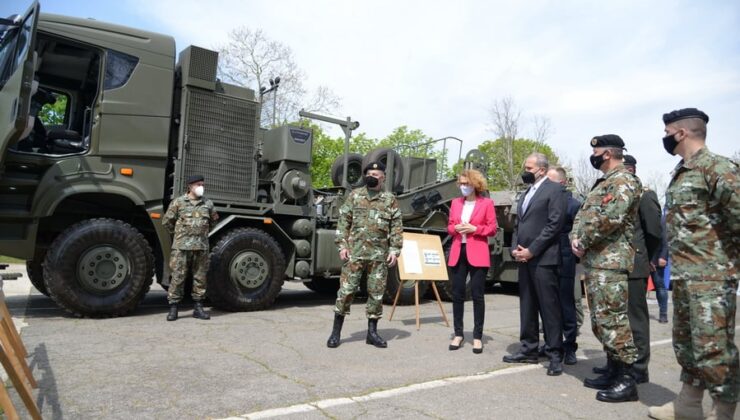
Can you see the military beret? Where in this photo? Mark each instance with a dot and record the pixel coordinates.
(375, 165)
(607, 140)
(630, 160)
(195, 178)
(682, 114)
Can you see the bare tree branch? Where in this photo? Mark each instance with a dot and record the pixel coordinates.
(505, 118)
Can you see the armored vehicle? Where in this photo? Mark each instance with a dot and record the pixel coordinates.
(82, 192)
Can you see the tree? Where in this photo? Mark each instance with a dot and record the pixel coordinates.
(250, 58)
(505, 125)
(326, 149)
(53, 113)
(501, 167)
(581, 175)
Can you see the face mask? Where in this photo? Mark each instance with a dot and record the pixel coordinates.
(198, 191)
(670, 143)
(528, 177)
(371, 181)
(597, 161)
(466, 190)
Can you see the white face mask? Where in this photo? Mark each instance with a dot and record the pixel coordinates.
(466, 190)
(198, 191)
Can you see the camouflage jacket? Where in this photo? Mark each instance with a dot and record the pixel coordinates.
(703, 218)
(605, 224)
(190, 221)
(370, 225)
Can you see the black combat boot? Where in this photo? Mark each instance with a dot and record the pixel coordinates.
(622, 389)
(606, 379)
(333, 341)
(198, 311)
(172, 315)
(372, 334)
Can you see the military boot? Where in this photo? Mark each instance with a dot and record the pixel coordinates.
(172, 315)
(721, 410)
(198, 311)
(623, 388)
(333, 340)
(687, 405)
(372, 334)
(606, 379)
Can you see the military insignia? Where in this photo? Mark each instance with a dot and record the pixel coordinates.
(594, 142)
(196, 214)
(375, 166)
(607, 198)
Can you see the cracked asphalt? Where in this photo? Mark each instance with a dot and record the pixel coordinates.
(276, 363)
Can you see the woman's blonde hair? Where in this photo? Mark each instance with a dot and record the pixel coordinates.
(476, 180)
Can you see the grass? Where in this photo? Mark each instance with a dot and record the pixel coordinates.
(10, 260)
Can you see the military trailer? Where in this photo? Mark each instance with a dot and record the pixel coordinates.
(82, 194)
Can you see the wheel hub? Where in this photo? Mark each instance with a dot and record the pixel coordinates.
(249, 269)
(102, 268)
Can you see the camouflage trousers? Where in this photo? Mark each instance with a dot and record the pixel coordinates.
(352, 271)
(182, 261)
(704, 335)
(607, 300)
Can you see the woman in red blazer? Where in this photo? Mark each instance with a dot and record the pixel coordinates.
(472, 220)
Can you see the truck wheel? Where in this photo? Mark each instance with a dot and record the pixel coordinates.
(384, 154)
(354, 170)
(247, 271)
(323, 286)
(407, 289)
(99, 267)
(35, 271)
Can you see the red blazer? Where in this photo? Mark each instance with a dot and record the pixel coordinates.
(484, 219)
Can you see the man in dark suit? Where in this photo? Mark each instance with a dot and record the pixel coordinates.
(536, 246)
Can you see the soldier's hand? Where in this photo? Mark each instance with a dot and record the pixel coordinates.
(391, 260)
(575, 246)
(662, 262)
(344, 254)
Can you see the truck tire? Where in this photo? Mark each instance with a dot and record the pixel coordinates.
(323, 286)
(382, 155)
(35, 271)
(354, 170)
(247, 271)
(407, 289)
(99, 267)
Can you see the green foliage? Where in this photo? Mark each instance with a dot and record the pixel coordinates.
(503, 174)
(53, 114)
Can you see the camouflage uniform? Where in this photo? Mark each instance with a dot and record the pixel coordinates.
(604, 227)
(190, 221)
(370, 228)
(703, 224)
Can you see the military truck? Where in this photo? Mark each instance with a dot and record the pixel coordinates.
(82, 194)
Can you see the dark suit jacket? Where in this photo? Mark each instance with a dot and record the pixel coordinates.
(539, 228)
(648, 235)
(568, 268)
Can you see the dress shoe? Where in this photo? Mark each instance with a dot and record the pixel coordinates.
(372, 334)
(477, 350)
(521, 358)
(333, 341)
(663, 319)
(570, 357)
(555, 368)
(459, 344)
(172, 315)
(623, 389)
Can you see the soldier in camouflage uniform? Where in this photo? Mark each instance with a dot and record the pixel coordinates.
(369, 237)
(602, 238)
(190, 217)
(703, 225)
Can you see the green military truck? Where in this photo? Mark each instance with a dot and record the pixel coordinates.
(82, 194)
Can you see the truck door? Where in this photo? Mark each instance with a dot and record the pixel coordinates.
(17, 60)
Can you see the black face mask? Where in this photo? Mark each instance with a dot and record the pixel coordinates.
(528, 177)
(670, 143)
(371, 181)
(597, 161)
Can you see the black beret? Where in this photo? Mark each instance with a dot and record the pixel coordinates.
(630, 160)
(607, 140)
(375, 165)
(682, 114)
(195, 178)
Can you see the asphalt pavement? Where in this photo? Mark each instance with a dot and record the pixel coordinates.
(275, 363)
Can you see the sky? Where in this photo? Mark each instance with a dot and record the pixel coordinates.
(591, 67)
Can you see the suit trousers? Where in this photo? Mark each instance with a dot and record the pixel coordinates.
(570, 317)
(539, 292)
(460, 274)
(637, 312)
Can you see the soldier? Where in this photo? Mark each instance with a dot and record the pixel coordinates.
(190, 217)
(602, 238)
(703, 224)
(369, 238)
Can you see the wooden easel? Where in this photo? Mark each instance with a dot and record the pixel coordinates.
(13, 358)
(416, 300)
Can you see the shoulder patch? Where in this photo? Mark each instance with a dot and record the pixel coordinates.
(607, 199)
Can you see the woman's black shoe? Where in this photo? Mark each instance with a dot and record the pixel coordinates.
(478, 350)
(456, 347)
